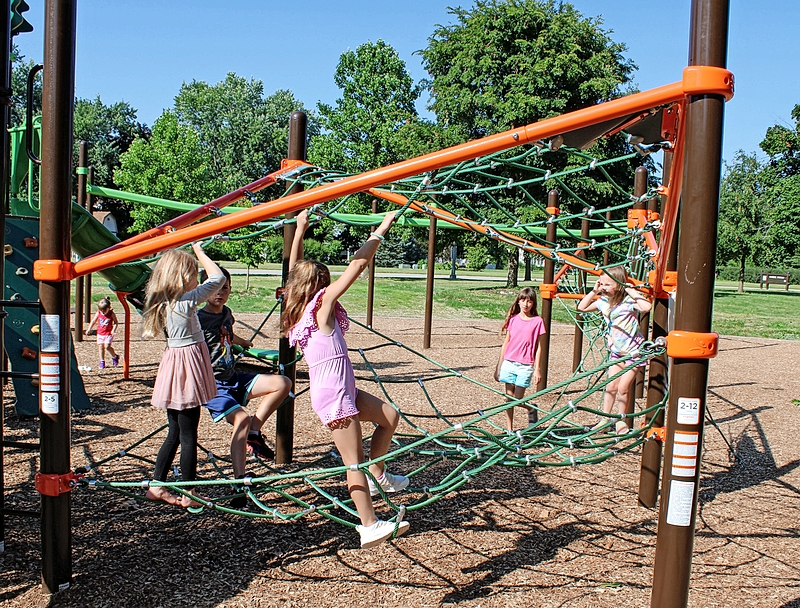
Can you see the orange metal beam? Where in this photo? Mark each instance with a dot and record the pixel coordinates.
(714, 78)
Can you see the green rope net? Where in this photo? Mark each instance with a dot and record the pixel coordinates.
(441, 446)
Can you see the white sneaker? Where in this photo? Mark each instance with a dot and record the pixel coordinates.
(388, 482)
(380, 531)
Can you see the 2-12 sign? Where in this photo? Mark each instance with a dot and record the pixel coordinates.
(688, 410)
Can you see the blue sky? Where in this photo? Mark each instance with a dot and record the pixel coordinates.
(140, 51)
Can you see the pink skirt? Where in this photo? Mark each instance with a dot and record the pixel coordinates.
(185, 378)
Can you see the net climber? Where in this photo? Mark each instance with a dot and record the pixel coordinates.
(446, 446)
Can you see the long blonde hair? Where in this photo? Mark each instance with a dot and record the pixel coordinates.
(305, 280)
(171, 274)
(526, 293)
(621, 279)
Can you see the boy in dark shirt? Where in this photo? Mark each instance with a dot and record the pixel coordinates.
(235, 389)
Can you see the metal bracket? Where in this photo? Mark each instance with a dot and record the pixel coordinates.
(53, 484)
(53, 270)
(548, 291)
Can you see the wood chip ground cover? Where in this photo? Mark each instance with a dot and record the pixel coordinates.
(566, 536)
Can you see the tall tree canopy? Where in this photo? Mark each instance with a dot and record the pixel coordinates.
(508, 63)
(109, 130)
(782, 172)
(245, 134)
(172, 164)
(742, 226)
(373, 124)
(368, 126)
(19, 87)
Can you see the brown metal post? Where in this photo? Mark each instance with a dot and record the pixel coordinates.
(371, 277)
(639, 190)
(695, 291)
(284, 417)
(58, 96)
(657, 374)
(5, 101)
(426, 334)
(605, 251)
(83, 155)
(547, 304)
(87, 301)
(577, 343)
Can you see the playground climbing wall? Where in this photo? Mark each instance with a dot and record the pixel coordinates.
(22, 323)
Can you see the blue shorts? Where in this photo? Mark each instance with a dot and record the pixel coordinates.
(518, 374)
(231, 394)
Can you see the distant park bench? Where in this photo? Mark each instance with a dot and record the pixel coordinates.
(774, 279)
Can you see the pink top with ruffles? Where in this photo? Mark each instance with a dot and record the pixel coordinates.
(332, 384)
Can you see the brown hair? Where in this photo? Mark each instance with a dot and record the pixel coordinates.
(621, 279)
(526, 293)
(171, 274)
(305, 280)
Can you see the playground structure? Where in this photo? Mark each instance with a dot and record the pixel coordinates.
(694, 104)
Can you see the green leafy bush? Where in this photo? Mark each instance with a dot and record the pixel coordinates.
(477, 257)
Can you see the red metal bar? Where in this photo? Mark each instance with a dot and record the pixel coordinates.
(192, 216)
(126, 367)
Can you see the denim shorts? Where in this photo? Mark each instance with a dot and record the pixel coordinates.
(518, 374)
(231, 394)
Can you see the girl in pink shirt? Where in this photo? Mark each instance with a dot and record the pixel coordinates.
(314, 319)
(521, 354)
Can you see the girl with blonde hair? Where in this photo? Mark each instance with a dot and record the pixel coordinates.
(620, 305)
(185, 379)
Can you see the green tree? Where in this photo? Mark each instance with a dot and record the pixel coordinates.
(742, 229)
(172, 164)
(109, 131)
(373, 124)
(244, 134)
(782, 173)
(508, 63)
(365, 128)
(19, 87)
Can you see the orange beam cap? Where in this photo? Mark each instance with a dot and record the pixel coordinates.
(53, 271)
(548, 290)
(692, 345)
(708, 80)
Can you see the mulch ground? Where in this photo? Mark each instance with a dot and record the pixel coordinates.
(542, 536)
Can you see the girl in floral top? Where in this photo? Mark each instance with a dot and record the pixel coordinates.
(620, 305)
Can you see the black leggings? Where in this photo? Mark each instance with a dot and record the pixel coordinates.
(182, 430)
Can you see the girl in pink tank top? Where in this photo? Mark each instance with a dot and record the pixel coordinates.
(314, 320)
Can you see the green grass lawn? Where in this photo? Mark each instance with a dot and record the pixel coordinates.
(756, 312)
